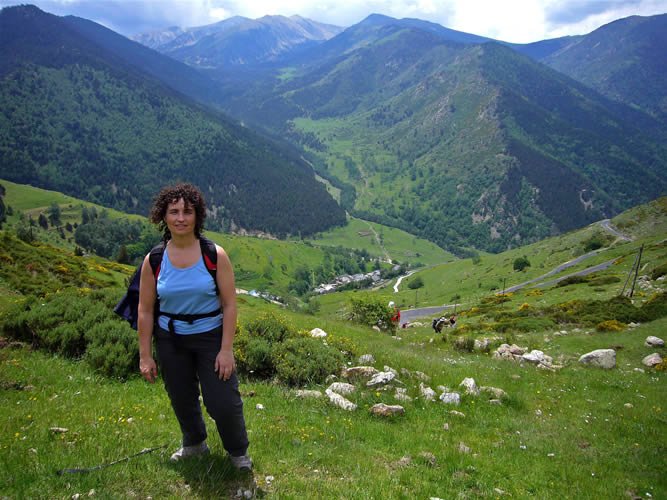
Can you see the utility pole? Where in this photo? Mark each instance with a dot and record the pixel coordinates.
(639, 259)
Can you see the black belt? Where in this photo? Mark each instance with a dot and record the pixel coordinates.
(188, 318)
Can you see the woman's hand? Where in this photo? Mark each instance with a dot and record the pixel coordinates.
(225, 364)
(148, 368)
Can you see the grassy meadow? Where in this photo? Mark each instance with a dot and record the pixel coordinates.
(572, 432)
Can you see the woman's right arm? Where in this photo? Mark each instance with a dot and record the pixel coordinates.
(147, 297)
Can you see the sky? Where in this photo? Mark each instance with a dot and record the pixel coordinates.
(517, 21)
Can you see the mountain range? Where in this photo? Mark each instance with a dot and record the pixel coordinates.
(467, 141)
(87, 120)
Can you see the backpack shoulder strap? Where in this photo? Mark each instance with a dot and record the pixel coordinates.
(209, 253)
(155, 259)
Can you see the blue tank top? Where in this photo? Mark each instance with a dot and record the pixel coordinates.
(189, 290)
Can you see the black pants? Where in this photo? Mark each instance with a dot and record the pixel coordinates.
(187, 362)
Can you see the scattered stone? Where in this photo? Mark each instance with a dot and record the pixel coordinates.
(381, 378)
(628, 405)
(494, 391)
(402, 395)
(457, 413)
(496, 402)
(470, 386)
(498, 491)
(511, 352)
(58, 430)
(639, 370)
(341, 388)
(452, 398)
(515, 376)
(443, 388)
(318, 333)
(463, 448)
(402, 462)
(340, 401)
(259, 406)
(652, 341)
(537, 358)
(422, 376)
(602, 358)
(305, 393)
(538, 412)
(445, 426)
(366, 359)
(652, 359)
(482, 345)
(359, 372)
(268, 480)
(427, 393)
(384, 410)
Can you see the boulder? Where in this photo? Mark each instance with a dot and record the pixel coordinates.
(305, 393)
(384, 410)
(381, 378)
(359, 372)
(318, 333)
(340, 401)
(341, 388)
(602, 358)
(652, 341)
(652, 359)
(470, 386)
(427, 393)
(451, 398)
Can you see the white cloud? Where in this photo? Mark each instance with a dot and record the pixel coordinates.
(509, 20)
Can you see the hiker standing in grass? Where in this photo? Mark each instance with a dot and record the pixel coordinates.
(193, 322)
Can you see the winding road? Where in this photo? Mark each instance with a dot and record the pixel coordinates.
(412, 314)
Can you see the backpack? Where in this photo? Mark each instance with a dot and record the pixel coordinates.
(128, 307)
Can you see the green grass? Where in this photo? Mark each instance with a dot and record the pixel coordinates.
(570, 427)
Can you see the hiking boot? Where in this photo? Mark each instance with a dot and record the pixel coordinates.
(242, 462)
(190, 451)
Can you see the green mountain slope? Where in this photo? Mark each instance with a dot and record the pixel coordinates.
(463, 144)
(624, 60)
(76, 118)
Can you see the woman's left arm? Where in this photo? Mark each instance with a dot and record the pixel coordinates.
(224, 362)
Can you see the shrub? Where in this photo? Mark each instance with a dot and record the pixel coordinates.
(572, 280)
(611, 325)
(304, 360)
(603, 280)
(521, 263)
(370, 310)
(112, 349)
(418, 282)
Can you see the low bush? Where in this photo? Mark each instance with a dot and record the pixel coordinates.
(610, 326)
(464, 344)
(305, 360)
(604, 280)
(371, 310)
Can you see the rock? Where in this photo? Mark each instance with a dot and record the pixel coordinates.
(457, 413)
(305, 393)
(427, 393)
(422, 376)
(318, 333)
(639, 370)
(652, 359)
(384, 410)
(340, 401)
(602, 358)
(496, 402)
(482, 345)
(470, 386)
(381, 379)
(451, 398)
(377, 328)
(58, 430)
(341, 388)
(359, 372)
(390, 369)
(537, 357)
(628, 405)
(494, 391)
(259, 406)
(652, 341)
(366, 359)
(402, 395)
(463, 448)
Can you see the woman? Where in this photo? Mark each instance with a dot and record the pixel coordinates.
(197, 353)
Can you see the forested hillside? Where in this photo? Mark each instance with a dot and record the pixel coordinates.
(77, 119)
(465, 144)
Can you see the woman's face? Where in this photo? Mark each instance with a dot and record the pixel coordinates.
(180, 218)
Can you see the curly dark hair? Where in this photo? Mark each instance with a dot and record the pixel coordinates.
(191, 195)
